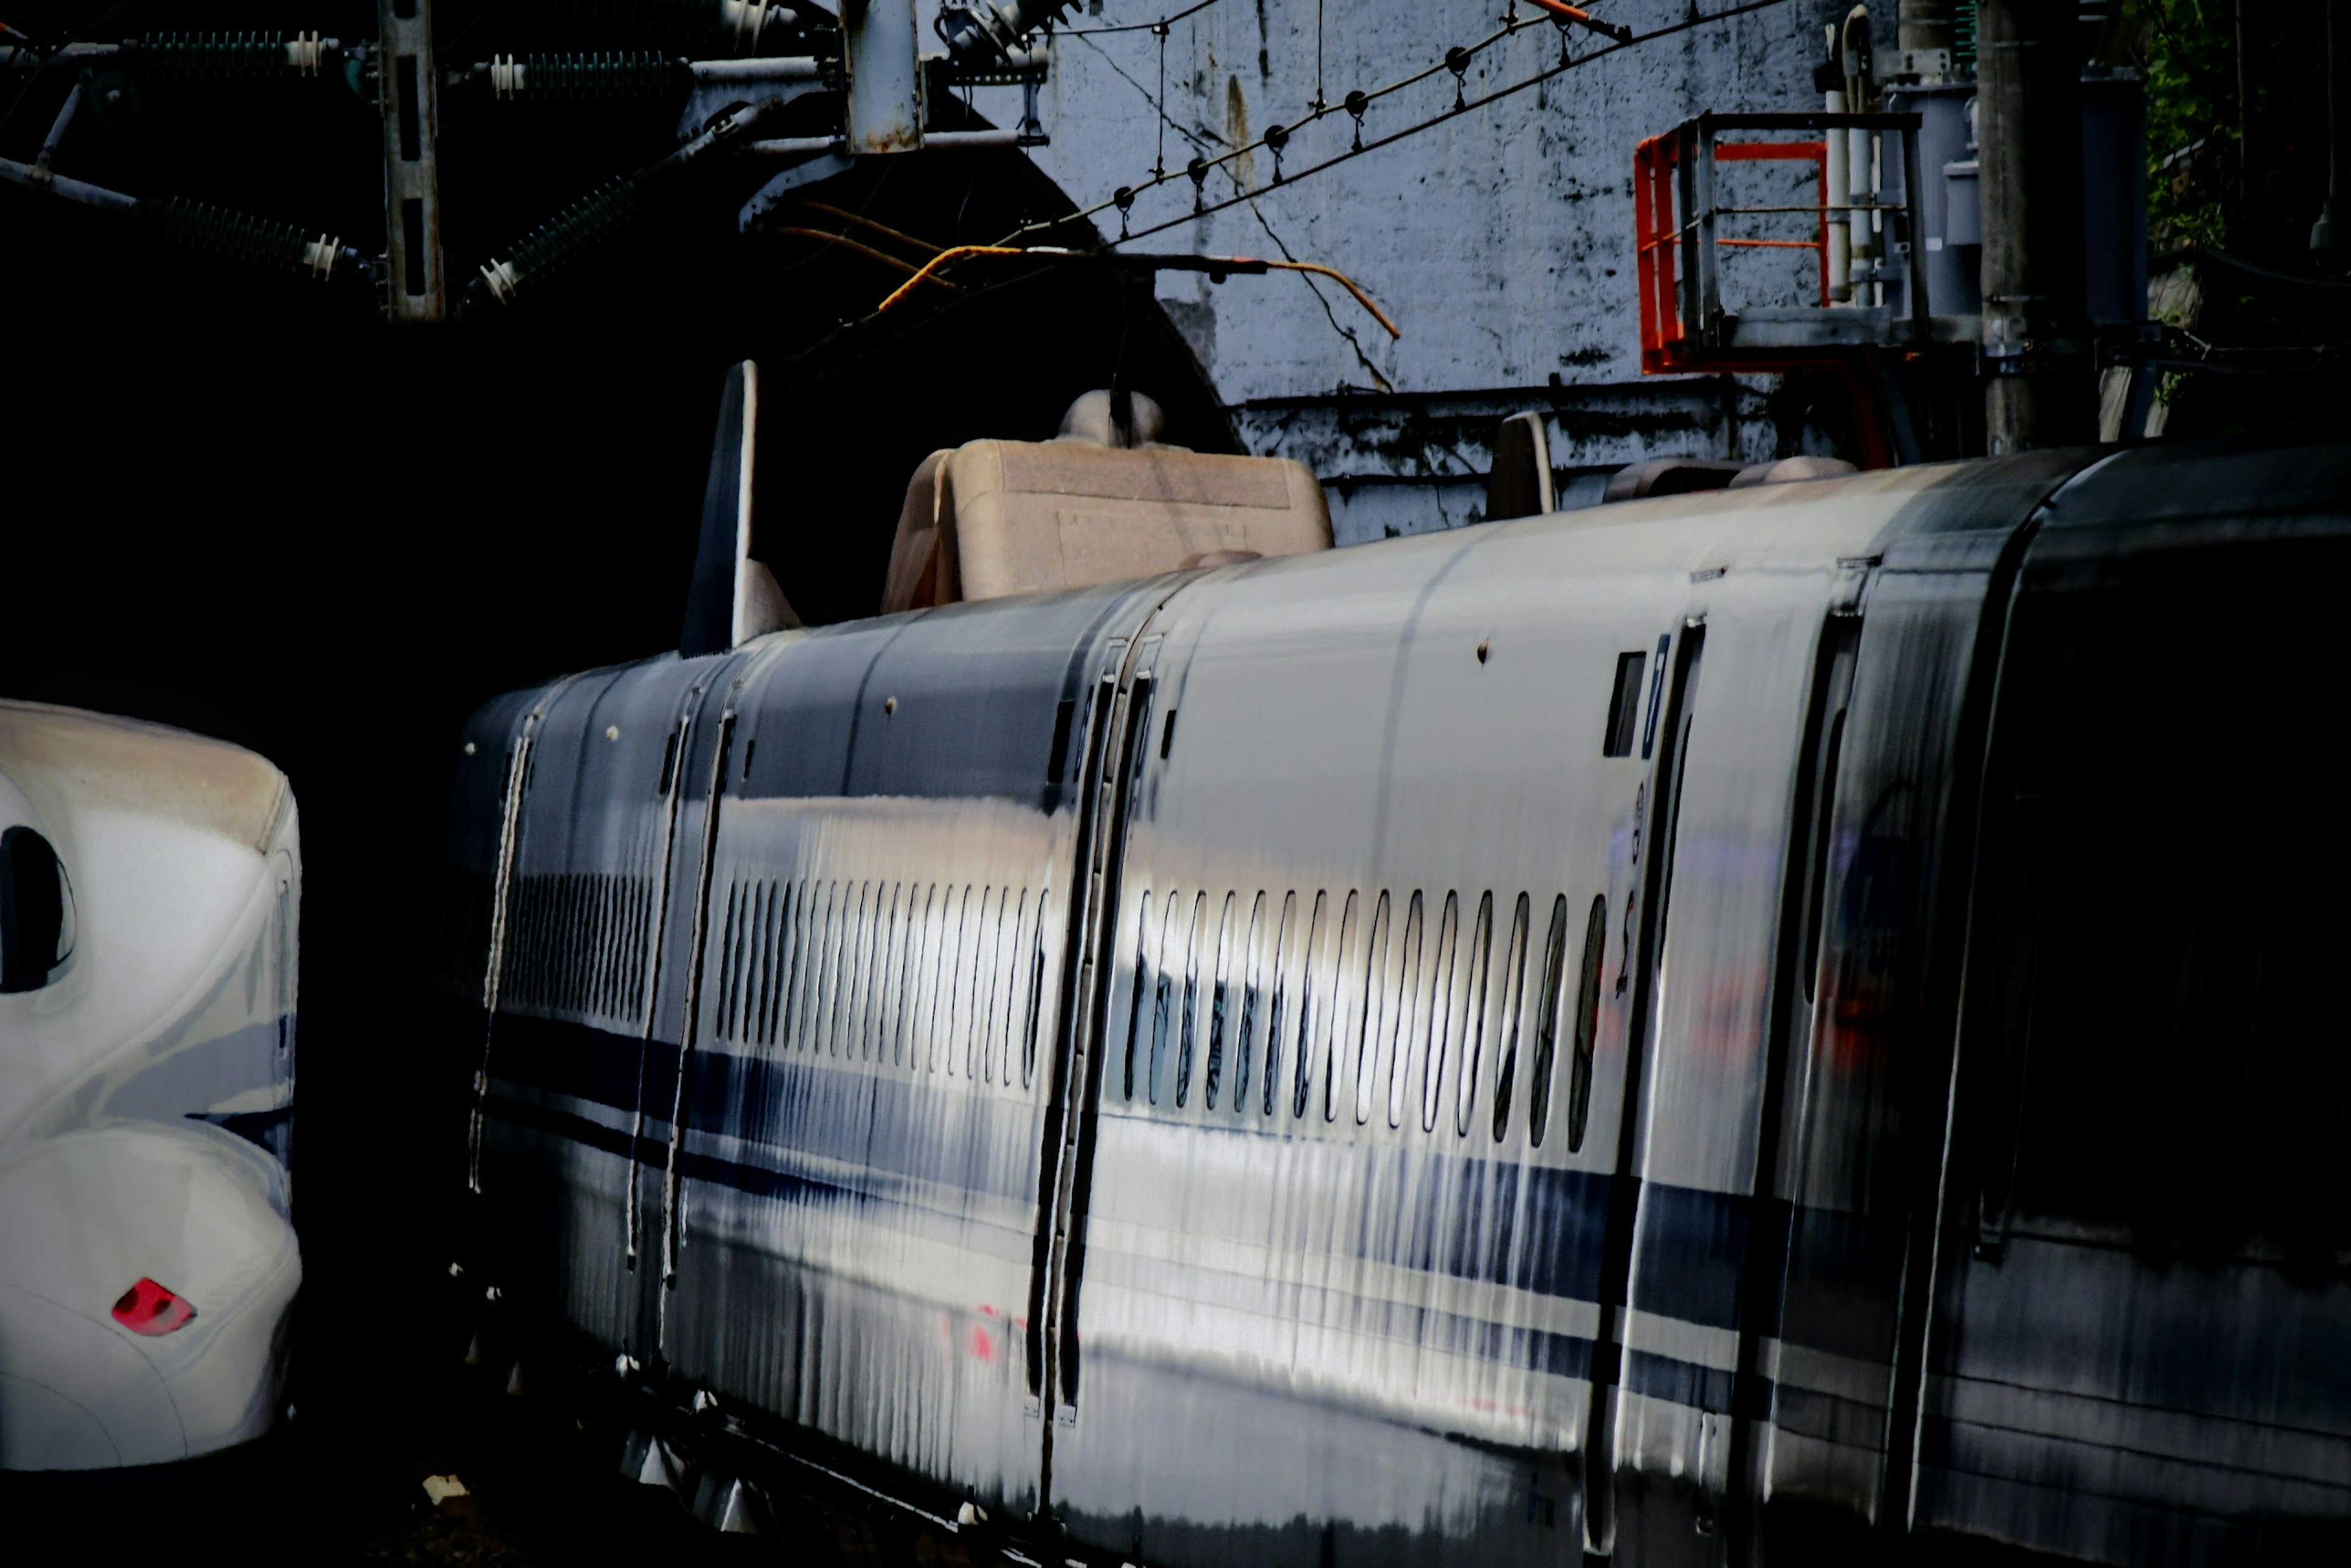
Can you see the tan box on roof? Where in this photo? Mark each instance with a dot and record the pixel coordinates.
(993, 518)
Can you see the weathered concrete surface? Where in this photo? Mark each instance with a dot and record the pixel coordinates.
(1501, 241)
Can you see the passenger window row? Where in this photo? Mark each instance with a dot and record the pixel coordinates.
(577, 942)
(1256, 996)
(934, 978)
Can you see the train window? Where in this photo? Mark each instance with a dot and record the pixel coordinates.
(1220, 987)
(890, 1042)
(1587, 1023)
(1448, 1004)
(1472, 1032)
(1410, 1032)
(963, 1002)
(866, 953)
(1547, 1022)
(1513, 981)
(776, 1028)
(1035, 991)
(879, 993)
(1625, 705)
(922, 1045)
(1277, 1008)
(730, 958)
(854, 968)
(1317, 980)
(1194, 945)
(811, 1037)
(2159, 1037)
(1004, 982)
(1371, 994)
(1139, 1011)
(1057, 758)
(1003, 978)
(1162, 998)
(669, 762)
(841, 1035)
(805, 949)
(1167, 736)
(1252, 977)
(743, 1006)
(972, 984)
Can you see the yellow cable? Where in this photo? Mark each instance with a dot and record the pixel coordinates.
(846, 243)
(1346, 283)
(952, 253)
(956, 252)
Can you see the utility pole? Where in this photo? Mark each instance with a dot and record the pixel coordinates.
(2043, 388)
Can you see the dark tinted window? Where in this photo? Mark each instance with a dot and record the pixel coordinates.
(1512, 977)
(1587, 1023)
(1625, 705)
(2166, 855)
(1547, 1021)
(37, 934)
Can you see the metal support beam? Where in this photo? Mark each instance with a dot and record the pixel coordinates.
(415, 288)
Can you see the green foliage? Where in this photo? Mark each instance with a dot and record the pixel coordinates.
(2188, 58)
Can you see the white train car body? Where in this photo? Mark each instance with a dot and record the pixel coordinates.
(150, 884)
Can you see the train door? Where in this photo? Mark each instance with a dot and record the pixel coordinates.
(1671, 731)
(1690, 1265)
(587, 867)
(2143, 1302)
(693, 781)
(1122, 706)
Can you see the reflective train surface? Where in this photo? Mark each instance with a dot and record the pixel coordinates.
(150, 894)
(1715, 1029)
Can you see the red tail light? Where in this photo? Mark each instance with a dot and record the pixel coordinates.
(148, 1308)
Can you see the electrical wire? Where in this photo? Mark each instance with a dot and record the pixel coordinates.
(1354, 104)
(928, 272)
(884, 257)
(862, 221)
(1135, 27)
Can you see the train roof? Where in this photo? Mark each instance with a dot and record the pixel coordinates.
(98, 761)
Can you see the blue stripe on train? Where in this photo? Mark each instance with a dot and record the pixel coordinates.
(1691, 1249)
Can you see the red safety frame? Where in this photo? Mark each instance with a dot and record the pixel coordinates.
(1665, 346)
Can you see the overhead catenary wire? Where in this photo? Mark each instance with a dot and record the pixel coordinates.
(1213, 265)
(1192, 10)
(1355, 103)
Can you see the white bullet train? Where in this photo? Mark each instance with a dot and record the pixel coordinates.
(148, 888)
(1793, 1024)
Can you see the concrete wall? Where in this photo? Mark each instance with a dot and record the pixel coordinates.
(1500, 241)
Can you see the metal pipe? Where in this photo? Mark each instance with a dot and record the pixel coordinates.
(64, 121)
(1840, 243)
(795, 146)
(32, 177)
(781, 67)
(882, 84)
(790, 146)
(1852, 60)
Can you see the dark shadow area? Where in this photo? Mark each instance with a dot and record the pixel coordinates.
(237, 502)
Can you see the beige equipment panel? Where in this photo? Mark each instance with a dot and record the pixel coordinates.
(993, 518)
